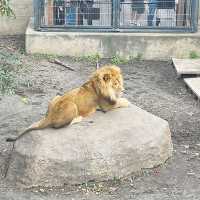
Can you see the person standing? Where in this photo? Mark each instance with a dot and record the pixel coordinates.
(152, 9)
(137, 9)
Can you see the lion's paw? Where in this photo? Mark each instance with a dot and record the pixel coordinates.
(123, 102)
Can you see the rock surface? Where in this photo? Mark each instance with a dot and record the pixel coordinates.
(194, 85)
(101, 147)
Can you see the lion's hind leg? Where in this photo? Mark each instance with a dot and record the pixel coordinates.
(64, 114)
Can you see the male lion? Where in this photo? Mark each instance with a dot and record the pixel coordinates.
(101, 91)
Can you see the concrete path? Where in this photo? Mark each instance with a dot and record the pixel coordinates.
(186, 66)
(194, 85)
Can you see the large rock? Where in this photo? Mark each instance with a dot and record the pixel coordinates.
(103, 146)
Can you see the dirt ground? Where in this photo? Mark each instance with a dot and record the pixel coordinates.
(151, 85)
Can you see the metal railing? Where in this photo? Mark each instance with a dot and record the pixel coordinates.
(116, 15)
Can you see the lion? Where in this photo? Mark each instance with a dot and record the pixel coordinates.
(102, 91)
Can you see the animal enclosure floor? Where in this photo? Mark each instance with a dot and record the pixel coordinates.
(151, 85)
(186, 66)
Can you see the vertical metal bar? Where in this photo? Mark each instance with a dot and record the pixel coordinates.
(36, 4)
(116, 13)
(195, 14)
(112, 12)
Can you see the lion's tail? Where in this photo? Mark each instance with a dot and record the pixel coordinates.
(43, 123)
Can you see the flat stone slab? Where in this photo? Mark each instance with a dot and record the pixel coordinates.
(186, 66)
(194, 85)
(101, 147)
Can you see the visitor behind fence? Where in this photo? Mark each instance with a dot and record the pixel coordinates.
(158, 4)
(137, 9)
(152, 9)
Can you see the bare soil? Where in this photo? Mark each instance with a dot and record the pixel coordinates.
(151, 85)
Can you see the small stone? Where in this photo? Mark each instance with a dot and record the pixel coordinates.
(184, 152)
(112, 189)
(41, 190)
(191, 173)
(186, 146)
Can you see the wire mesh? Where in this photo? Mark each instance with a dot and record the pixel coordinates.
(156, 13)
(77, 13)
(117, 14)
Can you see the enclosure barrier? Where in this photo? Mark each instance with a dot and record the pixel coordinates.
(116, 15)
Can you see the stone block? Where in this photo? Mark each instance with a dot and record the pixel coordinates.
(101, 147)
(194, 85)
(186, 66)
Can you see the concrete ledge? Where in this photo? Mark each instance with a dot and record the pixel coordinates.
(160, 46)
(186, 66)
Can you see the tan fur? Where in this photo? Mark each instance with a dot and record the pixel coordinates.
(102, 91)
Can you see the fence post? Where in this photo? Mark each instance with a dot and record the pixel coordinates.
(195, 14)
(116, 13)
(199, 15)
(36, 12)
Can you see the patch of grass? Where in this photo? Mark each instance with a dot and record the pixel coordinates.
(9, 59)
(26, 83)
(10, 67)
(91, 186)
(116, 60)
(116, 180)
(138, 56)
(22, 50)
(98, 187)
(194, 55)
(7, 82)
(93, 58)
(5, 9)
(44, 56)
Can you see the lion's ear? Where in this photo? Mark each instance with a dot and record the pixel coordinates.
(106, 77)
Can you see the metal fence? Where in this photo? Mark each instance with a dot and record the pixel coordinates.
(116, 15)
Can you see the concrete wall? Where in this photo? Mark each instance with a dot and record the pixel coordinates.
(23, 11)
(160, 46)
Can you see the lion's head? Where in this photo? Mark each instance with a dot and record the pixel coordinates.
(108, 83)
